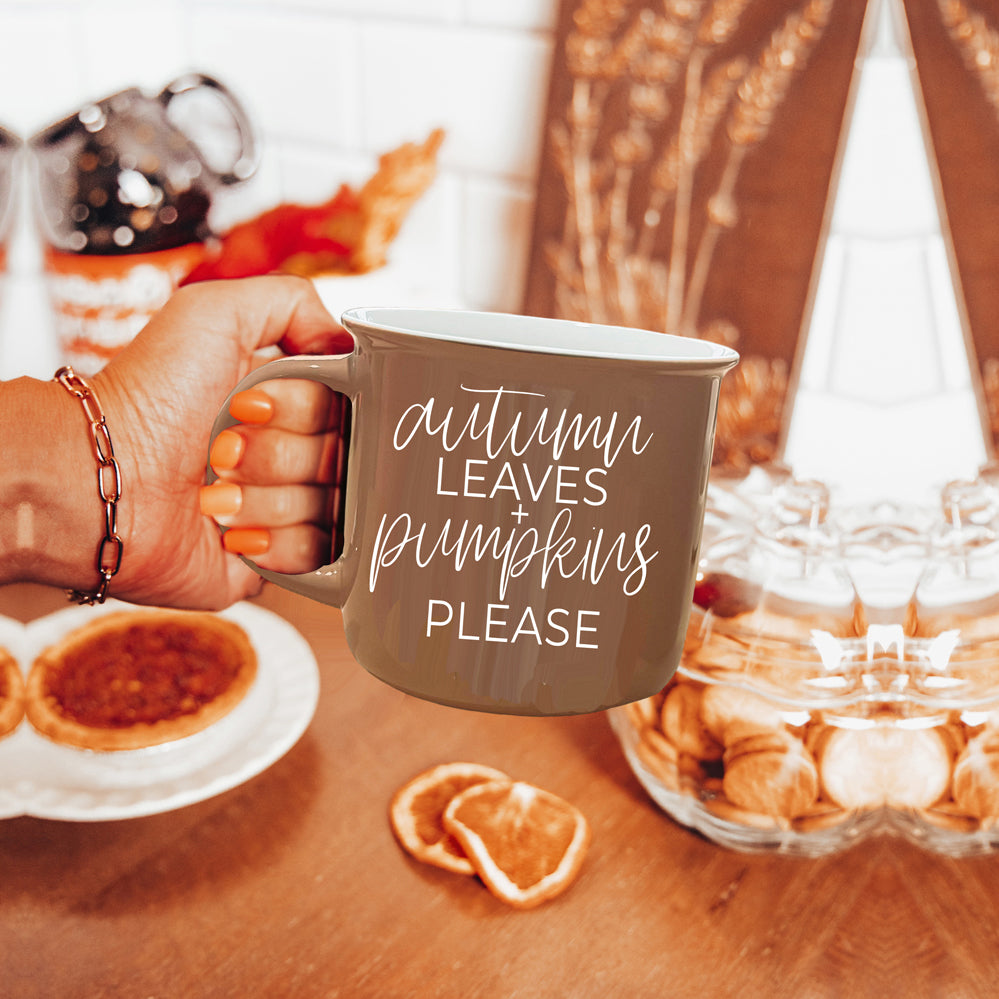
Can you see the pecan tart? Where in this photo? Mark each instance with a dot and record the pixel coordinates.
(132, 679)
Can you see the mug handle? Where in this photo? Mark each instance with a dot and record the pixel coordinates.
(246, 159)
(328, 584)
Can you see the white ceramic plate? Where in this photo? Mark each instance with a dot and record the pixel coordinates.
(40, 778)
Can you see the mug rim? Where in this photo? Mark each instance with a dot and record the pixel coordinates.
(565, 337)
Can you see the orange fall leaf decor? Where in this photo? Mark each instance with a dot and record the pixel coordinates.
(348, 234)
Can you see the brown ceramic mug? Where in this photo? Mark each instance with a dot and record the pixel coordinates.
(524, 502)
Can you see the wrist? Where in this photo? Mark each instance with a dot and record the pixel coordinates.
(54, 518)
(109, 550)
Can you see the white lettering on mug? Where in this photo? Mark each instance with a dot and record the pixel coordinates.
(496, 624)
(515, 550)
(431, 620)
(557, 462)
(515, 478)
(590, 476)
(565, 430)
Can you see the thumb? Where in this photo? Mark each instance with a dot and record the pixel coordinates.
(285, 310)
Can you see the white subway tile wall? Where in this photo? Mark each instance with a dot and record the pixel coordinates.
(331, 84)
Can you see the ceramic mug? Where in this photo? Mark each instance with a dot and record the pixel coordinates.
(523, 506)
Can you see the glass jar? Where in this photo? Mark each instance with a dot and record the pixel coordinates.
(840, 677)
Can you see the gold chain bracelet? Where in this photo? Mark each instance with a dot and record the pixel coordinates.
(108, 486)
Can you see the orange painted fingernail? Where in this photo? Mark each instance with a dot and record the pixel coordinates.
(221, 499)
(251, 406)
(227, 449)
(246, 540)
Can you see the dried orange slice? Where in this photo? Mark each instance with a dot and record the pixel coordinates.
(417, 808)
(526, 844)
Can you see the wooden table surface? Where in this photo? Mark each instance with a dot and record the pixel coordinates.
(292, 885)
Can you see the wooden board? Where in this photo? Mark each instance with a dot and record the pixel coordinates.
(685, 178)
(292, 885)
(956, 47)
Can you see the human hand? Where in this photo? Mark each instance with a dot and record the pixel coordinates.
(279, 473)
(161, 395)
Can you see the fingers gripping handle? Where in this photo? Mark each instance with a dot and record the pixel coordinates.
(327, 584)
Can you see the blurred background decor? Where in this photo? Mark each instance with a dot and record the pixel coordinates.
(122, 191)
(330, 88)
(348, 233)
(688, 157)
